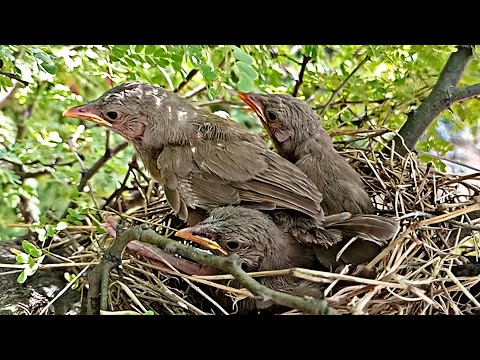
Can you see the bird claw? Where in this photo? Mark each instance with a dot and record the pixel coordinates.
(110, 226)
(359, 271)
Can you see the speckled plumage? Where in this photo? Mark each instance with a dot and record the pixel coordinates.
(201, 159)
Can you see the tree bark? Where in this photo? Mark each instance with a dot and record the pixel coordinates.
(443, 95)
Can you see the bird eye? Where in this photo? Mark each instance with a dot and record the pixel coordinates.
(112, 115)
(232, 245)
(271, 116)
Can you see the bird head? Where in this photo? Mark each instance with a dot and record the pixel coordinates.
(135, 110)
(288, 120)
(249, 233)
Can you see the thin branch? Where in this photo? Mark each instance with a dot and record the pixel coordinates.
(15, 77)
(341, 86)
(223, 102)
(199, 88)
(98, 288)
(453, 222)
(14, 163)
(189, 77)
(444, 93)
(34, 175)
(195, 91)
(61, 292)
(87, 174)
(464, 93)
(449, 160)
(27, 113)
(299, 82)
(287, 57)
(99, 163)
(122, 187)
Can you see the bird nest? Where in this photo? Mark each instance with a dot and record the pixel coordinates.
(419, 272)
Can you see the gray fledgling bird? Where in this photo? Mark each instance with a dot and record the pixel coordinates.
(203, 160)
(260, 244)
(297, 134)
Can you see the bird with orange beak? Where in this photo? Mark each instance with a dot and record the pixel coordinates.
(204, 161)
(261, 245)
(296, 132)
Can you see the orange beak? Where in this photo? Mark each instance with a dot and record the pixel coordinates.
(187, 234)
(255, 104)
(87, 112)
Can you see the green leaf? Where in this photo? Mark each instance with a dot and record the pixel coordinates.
(22, 258)
(15, 251)
(129, 61)
(31, 249)
(148, 312)
(158, 79)
(210, 76)
(207, 72)
(139, 48)
(150, 60)
(150, 49)
(311, 51)
(31, 263)
(69, 277)
(162, 62)
(44, 57)
(247, 70)
(50, 68)
(50, 230)
(160, 53)
(240, 55)
(117, 53)
(212, 93)
(73, 220)
(245, 84)
(425, 158)
(22, 277)
(177, 66)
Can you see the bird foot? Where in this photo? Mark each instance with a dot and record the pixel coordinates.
(358, 271)
(110, 226)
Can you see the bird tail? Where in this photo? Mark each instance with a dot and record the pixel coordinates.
(378, 229)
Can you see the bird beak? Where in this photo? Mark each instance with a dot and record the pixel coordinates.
(187, 234)
(87, 112)
(251, 100)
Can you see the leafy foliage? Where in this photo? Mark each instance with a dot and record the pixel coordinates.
(43, 155)
(31, 259)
